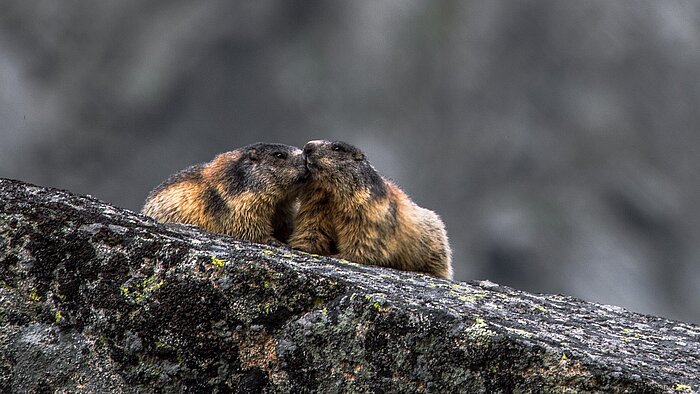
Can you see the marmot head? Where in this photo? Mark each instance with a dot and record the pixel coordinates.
(275, 169)
(341, 166)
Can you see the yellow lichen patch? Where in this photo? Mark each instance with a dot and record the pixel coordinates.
(684, 388)
(378, 302)
(58, 317)
(479, 329)
(471, 297)
(141, 290)
(218, 263)
(265, 309)
(308, 254)
(540, 308)
(34, 296)
(268, 252)
(629, 335)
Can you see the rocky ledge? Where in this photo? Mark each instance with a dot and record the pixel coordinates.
(94, 298)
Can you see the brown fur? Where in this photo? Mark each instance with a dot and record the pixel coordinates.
(248, 193)
(350, 211)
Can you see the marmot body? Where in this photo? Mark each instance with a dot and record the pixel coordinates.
(248, 193)
(350, 211)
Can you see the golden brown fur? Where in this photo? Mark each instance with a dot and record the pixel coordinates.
(249, 193)
(350, 211)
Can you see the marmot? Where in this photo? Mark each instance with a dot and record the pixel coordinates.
(349, 211)
(248, 193)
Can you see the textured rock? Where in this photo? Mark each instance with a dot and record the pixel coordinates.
(97, 298)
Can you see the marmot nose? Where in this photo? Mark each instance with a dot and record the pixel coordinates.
(311, 146)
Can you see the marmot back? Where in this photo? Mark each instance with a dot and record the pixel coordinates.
(248, 193)
(350, 211)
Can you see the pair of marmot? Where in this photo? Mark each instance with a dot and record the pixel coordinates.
(326, 199)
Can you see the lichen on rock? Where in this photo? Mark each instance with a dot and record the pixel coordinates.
(94, 298)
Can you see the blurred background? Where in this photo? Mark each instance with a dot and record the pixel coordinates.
(558, 140)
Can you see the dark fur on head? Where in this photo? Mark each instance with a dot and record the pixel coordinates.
(341, 166)
(269, 168)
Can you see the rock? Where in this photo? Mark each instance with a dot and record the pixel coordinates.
(94, 298)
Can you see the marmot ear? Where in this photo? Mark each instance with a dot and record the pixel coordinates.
(358, 156)
(253, 155)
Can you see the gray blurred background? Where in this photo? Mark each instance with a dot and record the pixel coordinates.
(558, 140)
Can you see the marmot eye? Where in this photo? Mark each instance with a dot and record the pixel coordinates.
(280, 155)
(339, 148)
